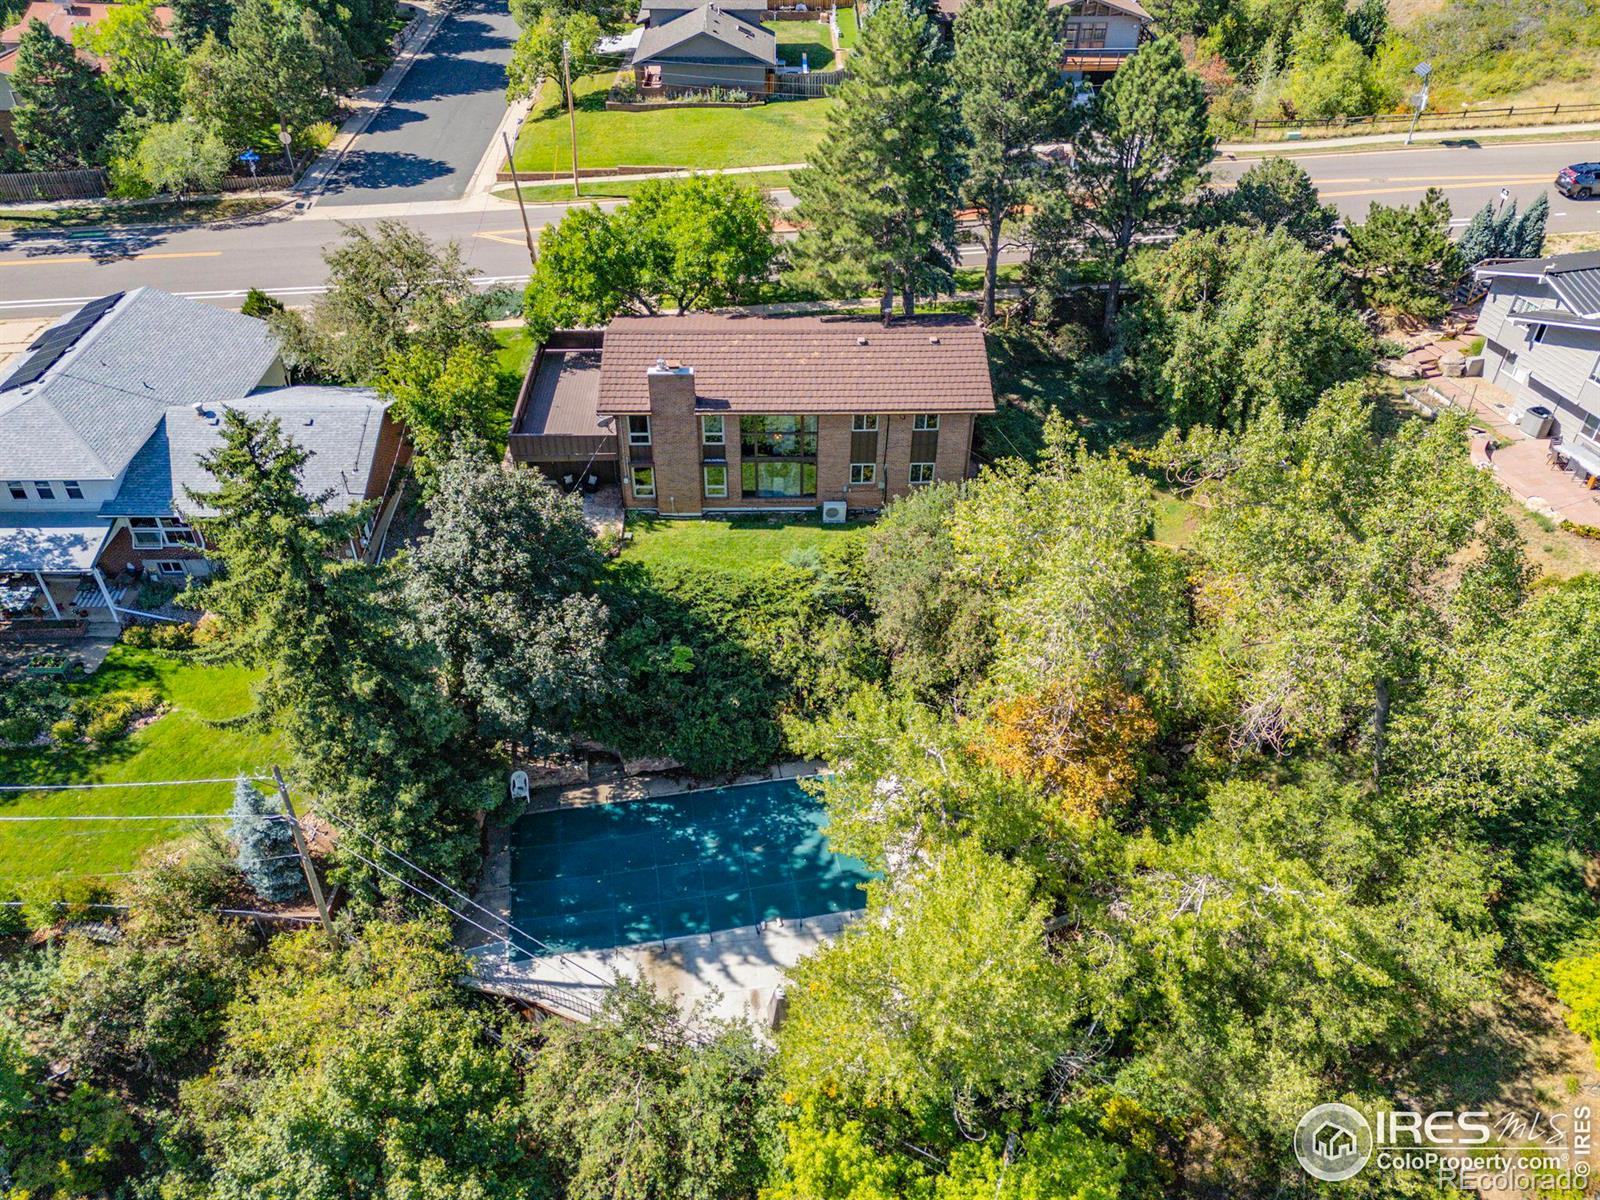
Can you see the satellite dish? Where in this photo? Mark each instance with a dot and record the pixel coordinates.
(519, 785)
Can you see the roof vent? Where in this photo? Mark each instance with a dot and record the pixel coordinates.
(199, 407)
(661, 363)
(311, 420)
(861, 341)
(933, 340)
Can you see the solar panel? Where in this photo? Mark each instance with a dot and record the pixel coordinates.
(49, 346)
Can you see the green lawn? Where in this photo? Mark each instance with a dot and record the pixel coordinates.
(780, 132)
(808, 37)
(513, 357)
(739, 544)
(180, 745)
(849, 29)
(624, 189)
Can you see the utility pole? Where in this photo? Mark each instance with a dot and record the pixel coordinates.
(572, 118)
(305, 856)
(511, 161)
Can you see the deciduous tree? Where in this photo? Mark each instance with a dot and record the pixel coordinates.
(1233, 320)
(389, 289)
(503, 588)
(1275, 193)
(447, 403)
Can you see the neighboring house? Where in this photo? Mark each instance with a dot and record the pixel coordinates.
(103, 421)
(716, 413)
(703, 47)
(63, 20)
(1096, 36)
(661, 12)
(1541, 328)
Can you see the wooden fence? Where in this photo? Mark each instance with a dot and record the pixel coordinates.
(33, 186)
(1464, 116)
(811, 84)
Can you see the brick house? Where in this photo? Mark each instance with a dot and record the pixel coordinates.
(1097, 36)
(103, 422)
(736, 412)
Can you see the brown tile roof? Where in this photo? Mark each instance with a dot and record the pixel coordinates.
(747, 363)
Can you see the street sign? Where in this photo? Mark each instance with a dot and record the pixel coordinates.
(249, 156)
(285, 137)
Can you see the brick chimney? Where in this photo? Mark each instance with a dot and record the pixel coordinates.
(671, 387)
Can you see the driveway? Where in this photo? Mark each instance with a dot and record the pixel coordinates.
(430, 137)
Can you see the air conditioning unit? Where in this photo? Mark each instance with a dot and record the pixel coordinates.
(833, 512)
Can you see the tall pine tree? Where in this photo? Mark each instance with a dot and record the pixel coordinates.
(1137, 155)
(370, 733)
(64, 112)
(1530, 229)
(877, 202)
(1007, 74)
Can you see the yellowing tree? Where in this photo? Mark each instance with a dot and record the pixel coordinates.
(1082, 748)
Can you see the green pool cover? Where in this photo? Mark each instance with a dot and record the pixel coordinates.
(615, 874)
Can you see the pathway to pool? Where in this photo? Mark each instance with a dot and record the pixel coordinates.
(711, 894)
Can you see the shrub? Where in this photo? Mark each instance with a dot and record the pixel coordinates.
(319, 134)
(28, 707)
(50, 902)
(105, 718)
(260, 305)
(13, 918)
(168, 635)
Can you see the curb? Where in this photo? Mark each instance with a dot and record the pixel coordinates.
(422, 32)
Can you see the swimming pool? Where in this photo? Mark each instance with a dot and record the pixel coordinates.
(644, 870)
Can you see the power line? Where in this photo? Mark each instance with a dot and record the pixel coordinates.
(89, 787)
(141, 817)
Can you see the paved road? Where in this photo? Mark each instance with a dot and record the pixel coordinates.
(430, 137)
(42, 274)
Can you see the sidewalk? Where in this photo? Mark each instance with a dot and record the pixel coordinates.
(369, 101)
(1399, 137)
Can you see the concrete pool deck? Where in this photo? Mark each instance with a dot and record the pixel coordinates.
(729, 975)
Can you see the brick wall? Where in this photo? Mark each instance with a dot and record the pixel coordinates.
(393, 450)
(120, 553)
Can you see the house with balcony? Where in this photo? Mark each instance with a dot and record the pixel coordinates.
(723, 413)
(1540, 322)
(1097, 36)
(104, 420)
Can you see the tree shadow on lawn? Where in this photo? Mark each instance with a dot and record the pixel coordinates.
(1098, 399)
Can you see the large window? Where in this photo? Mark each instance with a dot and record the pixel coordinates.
(779, 457)
(154, 533)
(644, 483)
(716, 482)
(778, 437)
(775, 479)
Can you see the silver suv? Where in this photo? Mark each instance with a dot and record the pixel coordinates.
(1581, 181)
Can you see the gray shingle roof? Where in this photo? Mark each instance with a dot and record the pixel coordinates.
(750, 41)
(339, 426)
(1573, 277)
(96, 406)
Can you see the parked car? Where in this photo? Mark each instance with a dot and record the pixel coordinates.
(1581, 181)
